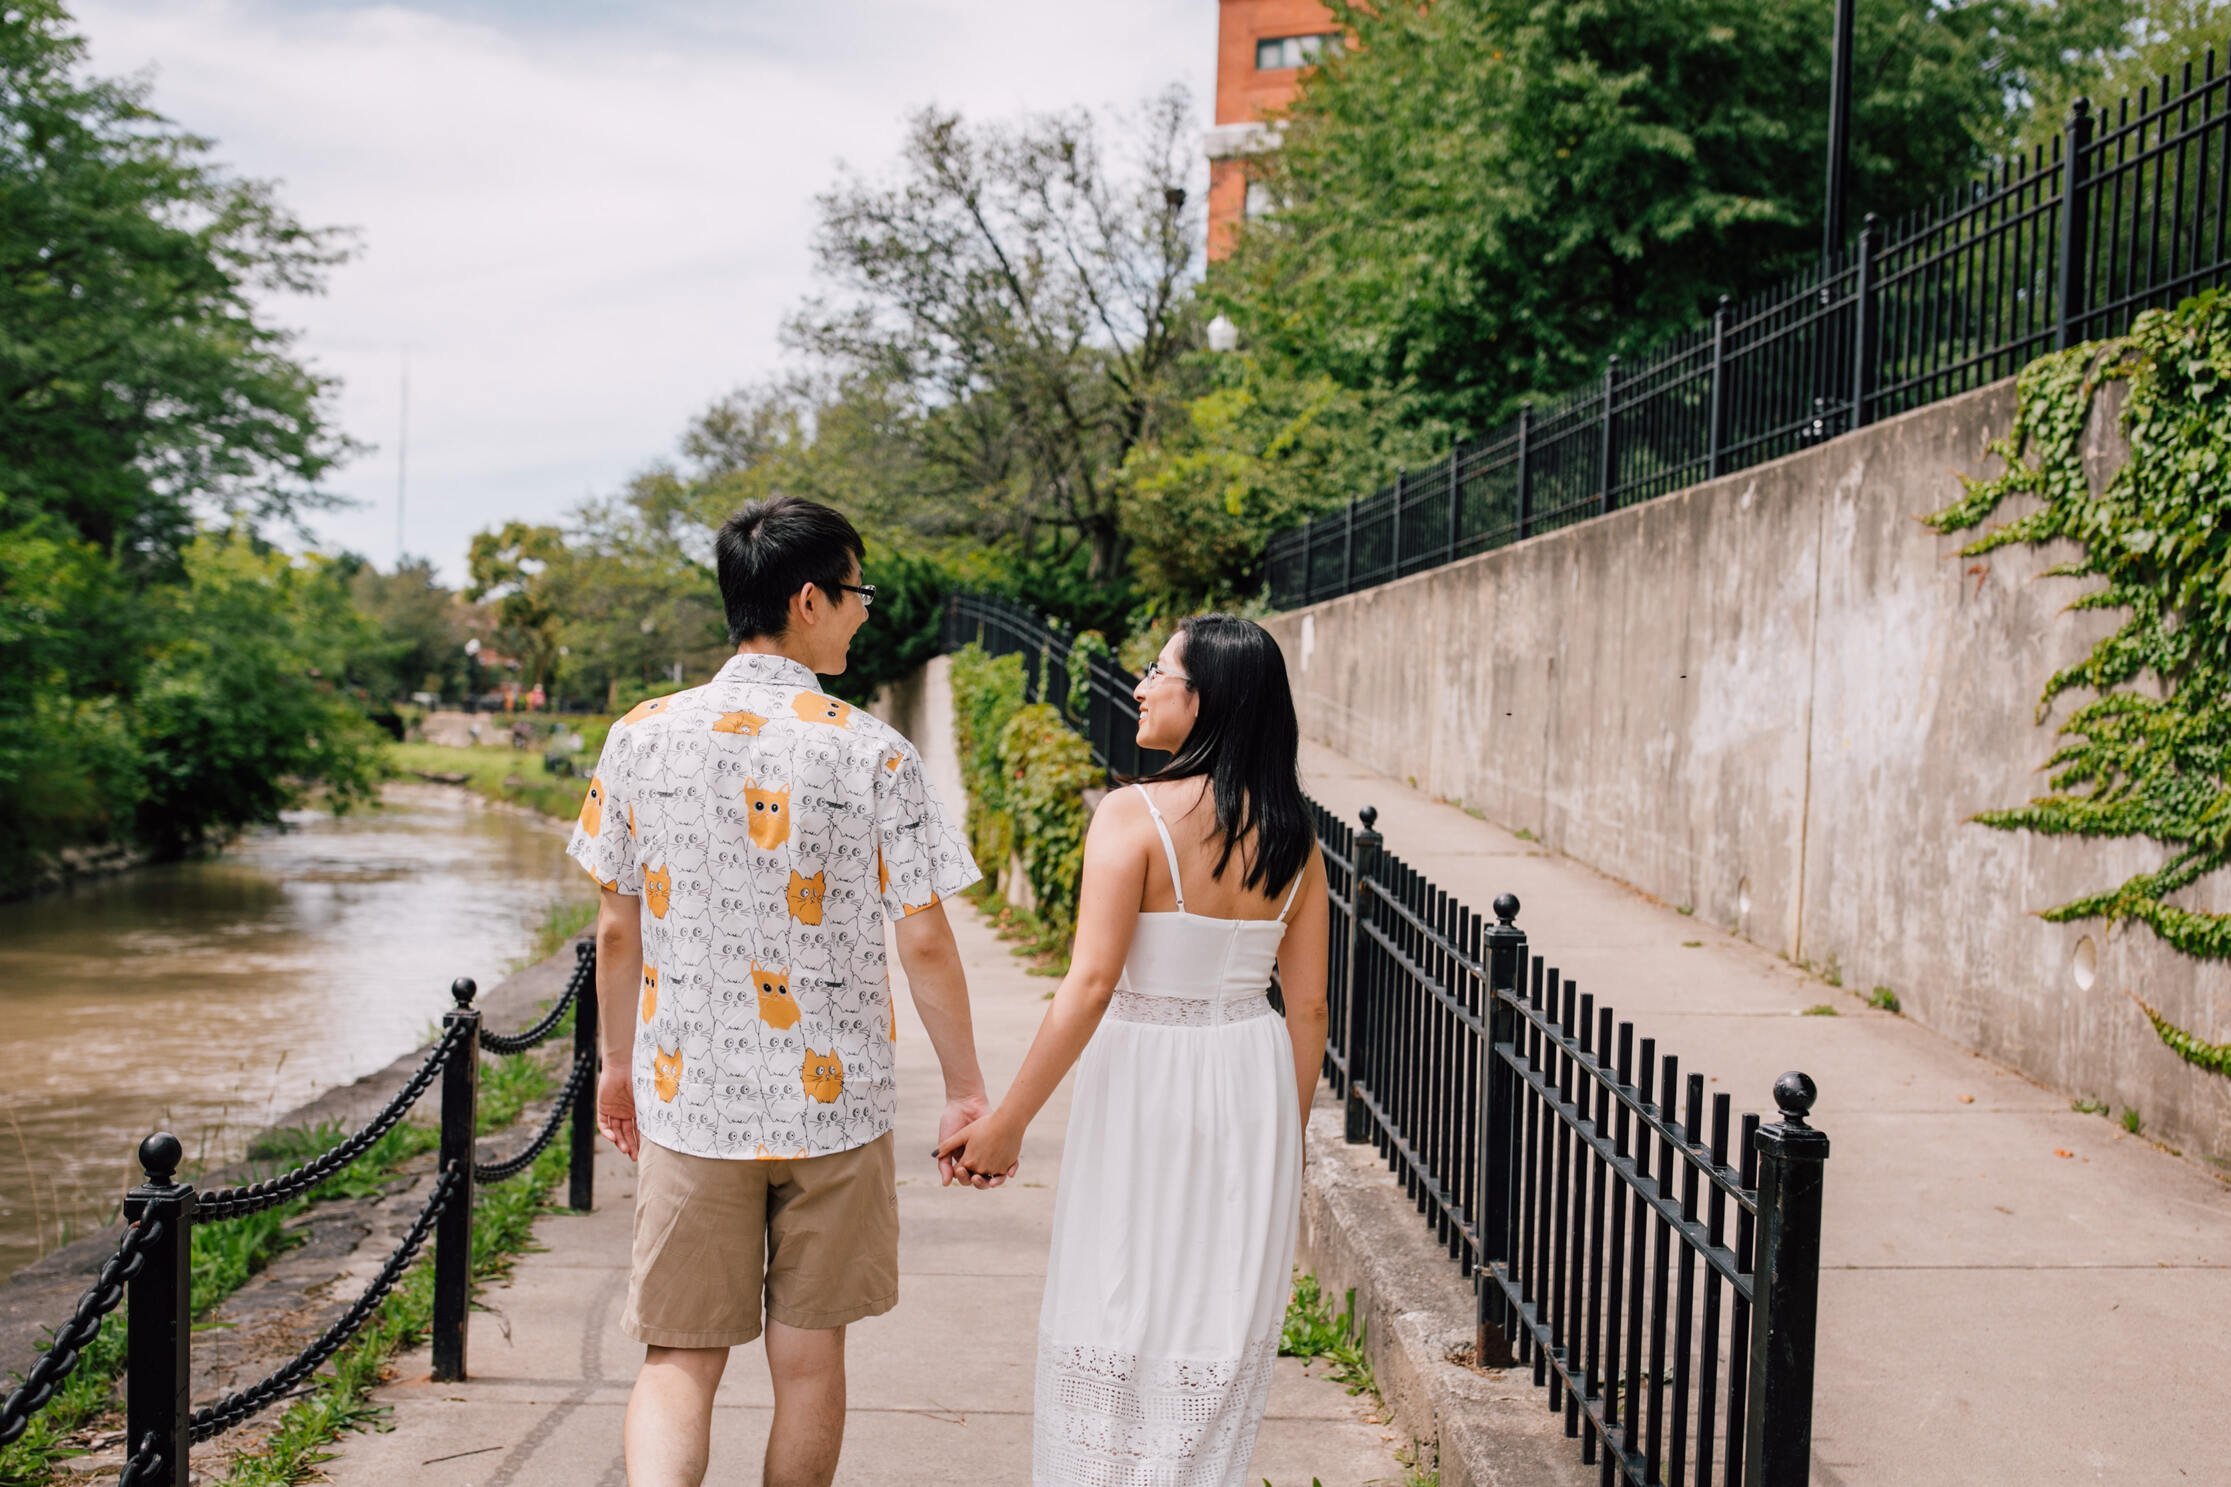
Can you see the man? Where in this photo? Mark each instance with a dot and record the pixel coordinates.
(751, 836)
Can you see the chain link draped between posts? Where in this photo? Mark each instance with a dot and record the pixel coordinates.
(62, 1356)
(541, 1031)
(217, 1418)
(513, 1166)
(233, 1203)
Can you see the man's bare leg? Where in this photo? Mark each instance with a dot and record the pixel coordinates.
(670, 1416)
(807, 1364)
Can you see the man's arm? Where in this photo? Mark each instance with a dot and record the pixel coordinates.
(619, 981)
(934, 974)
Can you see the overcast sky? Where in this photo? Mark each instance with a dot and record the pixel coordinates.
(584, 221)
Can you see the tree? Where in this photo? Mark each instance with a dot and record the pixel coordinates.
(1255, 454)
(416, 630)
(141, 385)
(513, 565)
(1019, 295)
(1481, 199)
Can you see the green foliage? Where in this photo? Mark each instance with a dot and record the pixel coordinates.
(1311, 1331)
(1483, 198)
(1819, 1009)
(1048, 769)
(1089, 646)
(2149, 754)
(1883, 999)
(521, 779)
(1255, 453)
(987, 691)
(2213, 1057)
(903, 630)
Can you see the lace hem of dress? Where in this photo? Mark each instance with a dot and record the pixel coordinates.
(1171, 1011)
(1108, 1418)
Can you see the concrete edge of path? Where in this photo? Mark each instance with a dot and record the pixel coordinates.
(1488, 1427)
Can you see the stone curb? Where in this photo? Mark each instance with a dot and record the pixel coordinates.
(1488, 1427)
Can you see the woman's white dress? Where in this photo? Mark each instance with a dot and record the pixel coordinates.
(1174, 1221)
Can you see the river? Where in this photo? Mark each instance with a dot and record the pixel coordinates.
(209, 997)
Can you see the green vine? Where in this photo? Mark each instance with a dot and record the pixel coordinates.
(987, 691)
(2149, 755)
(1088, 645)
(1049, 769)
(2214, 1057)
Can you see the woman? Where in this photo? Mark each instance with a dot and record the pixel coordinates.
(1181, 1179)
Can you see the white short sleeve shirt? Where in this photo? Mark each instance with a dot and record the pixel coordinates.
(769, 830)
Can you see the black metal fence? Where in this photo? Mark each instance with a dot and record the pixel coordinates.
(2126, 211)
(150, 1272)
(1102, 708)
(1659, 1278)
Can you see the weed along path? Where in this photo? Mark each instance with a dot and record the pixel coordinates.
(940, 1388)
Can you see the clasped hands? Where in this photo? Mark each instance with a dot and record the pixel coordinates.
(975, 1145)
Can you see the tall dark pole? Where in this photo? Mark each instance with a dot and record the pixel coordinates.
(1839, 137)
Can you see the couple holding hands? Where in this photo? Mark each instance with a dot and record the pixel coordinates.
(752, 836)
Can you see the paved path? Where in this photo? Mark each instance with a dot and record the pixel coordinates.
(1992, 1311)
(940, 1388)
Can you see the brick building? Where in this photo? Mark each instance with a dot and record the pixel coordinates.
(1261, 48)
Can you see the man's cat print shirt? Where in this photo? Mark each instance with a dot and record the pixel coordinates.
(768, 829)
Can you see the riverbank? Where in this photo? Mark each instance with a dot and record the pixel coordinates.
(517, 777)
(300, 1281)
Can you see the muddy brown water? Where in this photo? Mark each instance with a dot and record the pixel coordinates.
(209, 997)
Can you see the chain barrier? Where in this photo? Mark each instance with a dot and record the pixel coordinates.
(513, 1166)
(217, 1418)
(73, 1337)
(233, 1203)
(143, 1463)
(541, 1031)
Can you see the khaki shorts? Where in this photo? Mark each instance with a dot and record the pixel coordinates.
(819, 1235)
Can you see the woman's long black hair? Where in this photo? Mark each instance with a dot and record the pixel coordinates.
(1247, 740)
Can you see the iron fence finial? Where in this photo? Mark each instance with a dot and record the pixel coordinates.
(463, 990)
(159, 1156)
(583, 948)
(1369, 815)
(1506, 907)
(1794, 1094)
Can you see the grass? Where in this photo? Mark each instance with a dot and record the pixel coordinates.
(227, 1255)
(1692, 944)
(1525, 836)
(565, 921)
(2086, 1105)
(2131, 1121)
(514, 775)
(1818, 1009)
(1684, 910)
(1883, 999)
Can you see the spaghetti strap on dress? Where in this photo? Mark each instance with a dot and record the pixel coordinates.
(1175, 1218)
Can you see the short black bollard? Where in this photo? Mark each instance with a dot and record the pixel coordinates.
(581, 1161)
(158, 1345)
(1355, 1030)
(453, 1231)
(1786, 1284)
(1506, 962)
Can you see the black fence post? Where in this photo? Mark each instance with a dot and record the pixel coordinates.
(158, 1343)
(1309, 561)
(1608, 446)
(1401, 493)
(1456, 495)
(2072, 290)
(1353, 1036)
(1863, 326)
(1716, 446)
(1506, 961)
(453, 1231)
(1348, 548)
(1786, 1285)
(581, 1161)
(1525, 470)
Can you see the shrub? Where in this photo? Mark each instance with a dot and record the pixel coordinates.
(1048, 768)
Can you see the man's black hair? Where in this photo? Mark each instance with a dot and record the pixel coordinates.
(770, 550)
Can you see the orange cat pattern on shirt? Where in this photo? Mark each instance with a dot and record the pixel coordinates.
(774, 830)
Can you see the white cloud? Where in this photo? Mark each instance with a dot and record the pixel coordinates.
(584, 226)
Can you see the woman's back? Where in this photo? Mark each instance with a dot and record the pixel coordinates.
(1189, 816)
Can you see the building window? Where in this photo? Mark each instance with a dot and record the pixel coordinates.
(1275, 53)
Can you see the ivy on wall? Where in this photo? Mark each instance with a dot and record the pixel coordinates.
(987, 691)
(2149, 754)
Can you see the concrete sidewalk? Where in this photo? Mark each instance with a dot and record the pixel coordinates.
(2013, 1292)
(940, 1388)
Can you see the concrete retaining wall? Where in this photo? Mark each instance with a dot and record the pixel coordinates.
(1779, 698)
